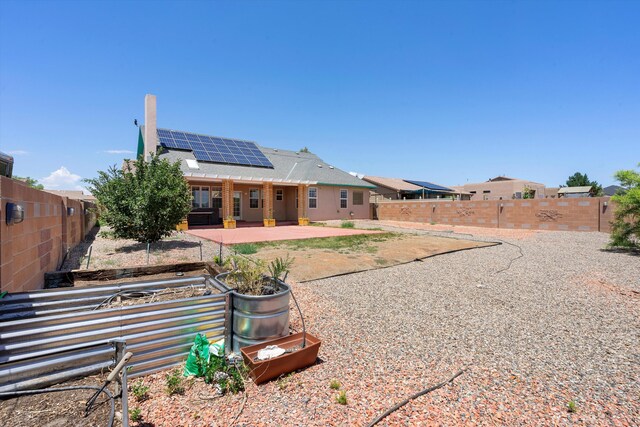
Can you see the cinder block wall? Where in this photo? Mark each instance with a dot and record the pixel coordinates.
(38, 244)
(573, 214)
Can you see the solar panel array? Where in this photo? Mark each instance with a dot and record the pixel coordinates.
(428, 185)
(215, 149)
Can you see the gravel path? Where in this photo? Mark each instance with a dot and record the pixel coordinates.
(561, 324)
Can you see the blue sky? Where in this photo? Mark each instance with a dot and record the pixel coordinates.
(449, 92)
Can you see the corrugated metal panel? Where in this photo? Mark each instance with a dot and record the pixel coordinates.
(159, 334)
(41, 371)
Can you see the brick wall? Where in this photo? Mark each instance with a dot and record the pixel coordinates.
(38, 244)
(579, 214)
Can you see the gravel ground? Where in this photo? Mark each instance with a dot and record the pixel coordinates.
(561, 324)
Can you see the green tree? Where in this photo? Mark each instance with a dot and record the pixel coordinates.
(33, 183)
(145, 201)
(582, 180)
(625, 231)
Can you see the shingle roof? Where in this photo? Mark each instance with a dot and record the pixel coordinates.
(396, 184)
(288, 167)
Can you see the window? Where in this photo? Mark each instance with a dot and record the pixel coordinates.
(279, 194)
(313, 197)
(200, 197)
(486, 191)
(358, 198)
(254, 196)
(472, 192)
(344, 194)
(216, 197)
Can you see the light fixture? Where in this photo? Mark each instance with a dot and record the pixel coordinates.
(15, 213)
(71, 211)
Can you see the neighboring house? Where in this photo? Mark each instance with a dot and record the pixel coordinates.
(399, 189)
(612, 190)
(551, 192)
(584, 191)
(240, 179)
(504, 188)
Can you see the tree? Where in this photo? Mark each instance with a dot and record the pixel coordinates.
(304, 150)
(582, 180)
(625, 231)
(33, 183)
(145, 201)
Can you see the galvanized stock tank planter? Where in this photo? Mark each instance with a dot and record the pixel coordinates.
(258, 318)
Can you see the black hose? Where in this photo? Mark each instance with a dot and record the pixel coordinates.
(112, 411)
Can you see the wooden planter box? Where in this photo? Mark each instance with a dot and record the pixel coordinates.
(229, 223)
(265, 370)
(303, 221)
(269, 222)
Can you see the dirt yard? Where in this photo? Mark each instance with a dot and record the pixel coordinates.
(313, 263)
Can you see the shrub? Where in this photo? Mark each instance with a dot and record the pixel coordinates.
(175, 383)
(140, 391)
(347, 224)
(136, 414)
(145, 201)
(625, 231)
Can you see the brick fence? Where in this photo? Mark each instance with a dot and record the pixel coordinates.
(40, 242)
(573, 214)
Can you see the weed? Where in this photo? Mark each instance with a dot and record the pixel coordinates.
(135, 414)
(226, 377)
(175, 383)
(279, 267)
(375, 229)
(359, 242)
(347, 224)
(318, 224)
(380, 261)
(217, 260)
(432, 223)
(572, 406)
(341, 398)
(245, 248)
(284, 380)
(334, 385)
(140, 391)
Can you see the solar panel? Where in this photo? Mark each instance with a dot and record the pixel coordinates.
(215, 149)
(428, 185)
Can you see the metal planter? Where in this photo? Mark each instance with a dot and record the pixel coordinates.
(256, 319)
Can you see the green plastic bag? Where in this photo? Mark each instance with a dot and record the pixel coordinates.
(198, 357)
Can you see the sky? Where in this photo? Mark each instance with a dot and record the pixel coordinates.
(448, 92)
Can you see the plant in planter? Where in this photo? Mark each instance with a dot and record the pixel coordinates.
(229, 222)
(260, 303)
(269, 221)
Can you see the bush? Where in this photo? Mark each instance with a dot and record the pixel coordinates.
(625, 231)
(347, 224)
(175, 383)
(145, 201)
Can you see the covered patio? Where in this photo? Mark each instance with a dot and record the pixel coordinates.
(268, 234)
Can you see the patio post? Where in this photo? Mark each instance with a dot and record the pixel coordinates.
(227, 198)
(267, 208)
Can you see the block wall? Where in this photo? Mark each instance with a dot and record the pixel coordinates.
(39, 243)
(579, 214)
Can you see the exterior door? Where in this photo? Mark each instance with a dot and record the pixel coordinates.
(237, 205)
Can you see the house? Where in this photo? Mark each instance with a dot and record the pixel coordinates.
(504, 188)
(584, 191)
(232, 178)
(73, 195)
(399, 189)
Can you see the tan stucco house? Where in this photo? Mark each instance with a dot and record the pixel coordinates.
(232, 178)
(503, 188)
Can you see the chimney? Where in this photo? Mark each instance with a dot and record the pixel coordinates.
(150, 128)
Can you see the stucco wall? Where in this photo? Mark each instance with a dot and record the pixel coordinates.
(329, 204)
(586, 214)
(38, 244)
(501, 189)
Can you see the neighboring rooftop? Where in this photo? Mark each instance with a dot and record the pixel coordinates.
(396, 184)
(72, 194)
(612, 190)
(574, 190)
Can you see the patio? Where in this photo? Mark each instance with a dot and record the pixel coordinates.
(269, 234)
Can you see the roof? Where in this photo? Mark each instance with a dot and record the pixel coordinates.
(430, 186)
(288, 167)
(72, 194)
(396, 184)
(573, 190)
(502, 178)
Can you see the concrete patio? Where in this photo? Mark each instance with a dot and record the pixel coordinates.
(268, 234)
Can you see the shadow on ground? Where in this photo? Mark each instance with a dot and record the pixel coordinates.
(76, 256)
(159, 246)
